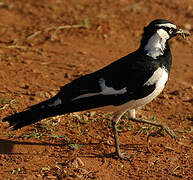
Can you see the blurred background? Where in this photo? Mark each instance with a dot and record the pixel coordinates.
(45, 44)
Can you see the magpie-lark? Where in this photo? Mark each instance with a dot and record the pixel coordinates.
(125, 85)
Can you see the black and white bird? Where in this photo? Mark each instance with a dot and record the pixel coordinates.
(125, 85)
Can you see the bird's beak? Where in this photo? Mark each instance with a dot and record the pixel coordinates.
(183, 33)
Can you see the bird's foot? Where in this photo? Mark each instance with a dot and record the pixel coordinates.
(159, 132)
(123, 156)
(119, 155)
(161, 126)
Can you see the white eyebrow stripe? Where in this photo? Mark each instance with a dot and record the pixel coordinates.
(105, 90)
(169, 25)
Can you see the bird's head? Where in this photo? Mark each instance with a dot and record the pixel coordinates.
(156, 36)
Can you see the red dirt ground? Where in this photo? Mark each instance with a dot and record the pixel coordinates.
(47, 43)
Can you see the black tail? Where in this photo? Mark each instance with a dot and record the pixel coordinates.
(49, 108)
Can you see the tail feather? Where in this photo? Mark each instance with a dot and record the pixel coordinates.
(22, 119)
(48, 108)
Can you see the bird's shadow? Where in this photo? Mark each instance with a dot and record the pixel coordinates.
(7, 147)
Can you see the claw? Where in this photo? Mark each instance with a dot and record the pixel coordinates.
(166, 129)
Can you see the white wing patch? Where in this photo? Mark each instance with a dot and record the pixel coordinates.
(159, 77)
(55, 103)
(85, 95)
(109, 90)
(105, 90)
(156, 44)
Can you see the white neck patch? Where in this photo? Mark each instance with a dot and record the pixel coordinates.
(156, 44)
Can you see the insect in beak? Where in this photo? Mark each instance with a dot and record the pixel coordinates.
(183, 33)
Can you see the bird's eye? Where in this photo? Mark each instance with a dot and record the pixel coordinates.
(170, 31)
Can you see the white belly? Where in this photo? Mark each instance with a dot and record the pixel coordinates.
(133, 104)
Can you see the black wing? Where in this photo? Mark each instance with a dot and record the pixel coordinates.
(129, 72)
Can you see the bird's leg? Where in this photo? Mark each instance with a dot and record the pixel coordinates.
(116, 119)
(162, 127)
(132, 117)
